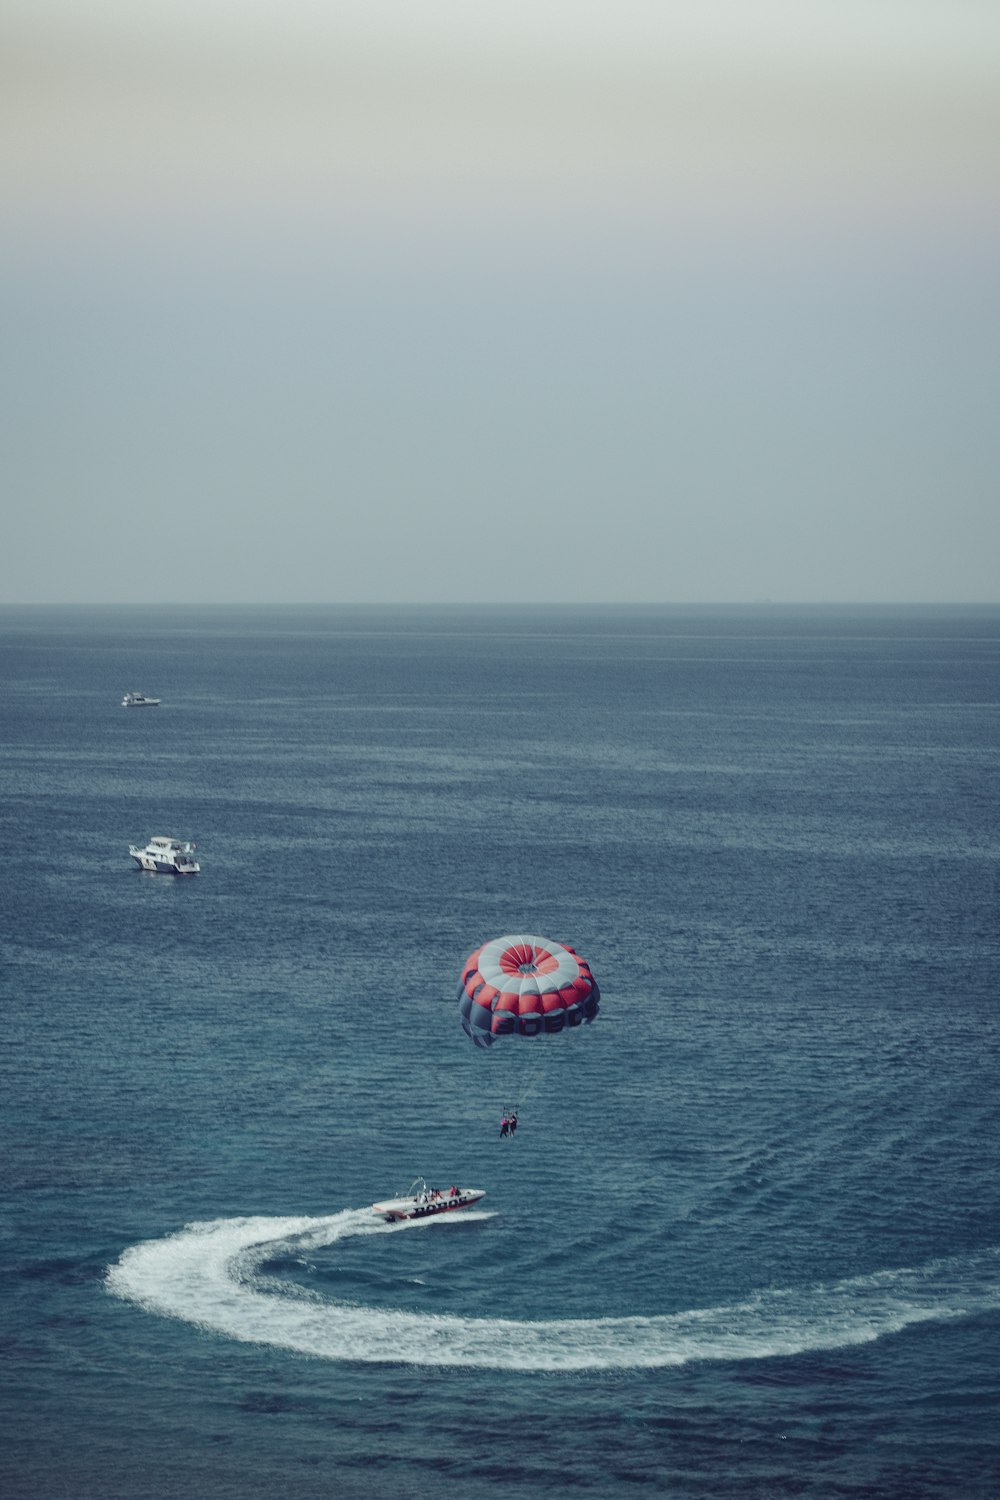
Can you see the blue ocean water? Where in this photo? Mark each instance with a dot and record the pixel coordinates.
(746, 1241)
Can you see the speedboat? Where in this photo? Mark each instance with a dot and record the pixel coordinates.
(139, 700)
(166, 856)
(421, 1201)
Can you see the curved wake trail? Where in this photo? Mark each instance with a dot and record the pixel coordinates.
(208, 1275)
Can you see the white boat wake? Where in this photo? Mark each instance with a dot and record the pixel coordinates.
(209, 1275)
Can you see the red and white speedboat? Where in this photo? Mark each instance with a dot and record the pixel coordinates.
(421, 1201)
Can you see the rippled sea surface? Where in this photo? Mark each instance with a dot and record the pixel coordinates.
(746, 1242)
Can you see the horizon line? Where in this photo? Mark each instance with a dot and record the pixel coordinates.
(174, 604)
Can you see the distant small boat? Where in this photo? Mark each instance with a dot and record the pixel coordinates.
(422, 1201)
(139, 700)
(166, 857)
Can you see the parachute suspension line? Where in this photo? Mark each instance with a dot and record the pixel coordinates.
(524, 1066)
(533, 1070)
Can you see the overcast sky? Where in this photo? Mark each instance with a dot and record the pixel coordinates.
(566, 300)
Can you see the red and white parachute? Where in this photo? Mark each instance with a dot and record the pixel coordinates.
(525, 986)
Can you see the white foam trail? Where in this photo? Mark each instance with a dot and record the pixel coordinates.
(207, 1274)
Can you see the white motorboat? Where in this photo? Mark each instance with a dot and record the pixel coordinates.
(139, 700)
(421, 1202)
(166, 856)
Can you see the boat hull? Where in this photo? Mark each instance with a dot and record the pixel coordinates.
(161, 867)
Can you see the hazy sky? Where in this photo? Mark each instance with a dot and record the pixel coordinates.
(363, 300)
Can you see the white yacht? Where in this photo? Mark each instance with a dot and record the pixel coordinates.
(139, 700)
(167, 856)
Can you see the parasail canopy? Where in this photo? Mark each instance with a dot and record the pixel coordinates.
(525, 986)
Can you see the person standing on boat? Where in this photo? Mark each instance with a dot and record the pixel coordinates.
(504, 1125)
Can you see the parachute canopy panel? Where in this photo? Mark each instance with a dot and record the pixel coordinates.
(525, 986)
